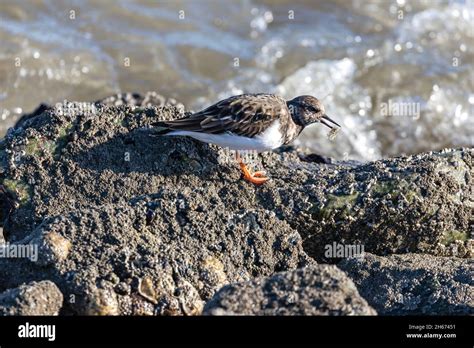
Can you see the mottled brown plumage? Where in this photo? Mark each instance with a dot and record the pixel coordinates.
(251, 114)
(259, 122)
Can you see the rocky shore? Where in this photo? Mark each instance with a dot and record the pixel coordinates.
(127, 223)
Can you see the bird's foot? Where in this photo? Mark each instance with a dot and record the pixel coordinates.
(260, 174)
(254, 179)
(257, 178)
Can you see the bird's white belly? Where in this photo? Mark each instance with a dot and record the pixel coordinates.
(268, 140)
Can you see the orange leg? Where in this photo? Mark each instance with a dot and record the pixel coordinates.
(256, 178)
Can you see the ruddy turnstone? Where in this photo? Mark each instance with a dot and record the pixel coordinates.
(259, 122)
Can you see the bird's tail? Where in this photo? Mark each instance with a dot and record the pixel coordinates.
(160, 128)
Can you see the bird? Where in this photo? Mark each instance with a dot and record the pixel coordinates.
(251, 122)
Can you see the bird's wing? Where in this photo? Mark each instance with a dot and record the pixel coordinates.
(246, 115)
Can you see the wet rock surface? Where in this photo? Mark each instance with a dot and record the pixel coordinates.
(317, 290)
(130, 223)
(414, 283)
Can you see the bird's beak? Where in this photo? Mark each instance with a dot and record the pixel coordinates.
(325, 119)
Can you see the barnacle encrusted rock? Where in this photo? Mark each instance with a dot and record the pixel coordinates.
(112, 205)
(415, 284)
(316, 290)
(35, 298)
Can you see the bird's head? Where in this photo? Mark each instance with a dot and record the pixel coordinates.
(306, 110)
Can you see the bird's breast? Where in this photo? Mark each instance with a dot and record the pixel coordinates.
(272, 137)
(292, 130)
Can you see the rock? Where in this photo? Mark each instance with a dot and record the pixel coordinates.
(111, 205)
(35, 298)
(420, 203)
(414, 284)
(100, 301)
(170, 246)
(174, 269)
(316, 290)
(55, 162)
(52, 247)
